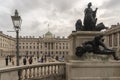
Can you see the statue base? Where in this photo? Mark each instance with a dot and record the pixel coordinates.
(79, 37)
(93, 70)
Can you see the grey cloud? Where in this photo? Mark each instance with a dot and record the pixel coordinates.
(111, 8)
(111, 12)
(60, 14)
(26, 5)
(111, 4)
(62, 5)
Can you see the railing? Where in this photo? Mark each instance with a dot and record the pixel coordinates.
(43, 71)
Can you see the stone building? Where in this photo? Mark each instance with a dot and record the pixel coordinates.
(48, 45)
(7, 45)
(51, 45)
(113, 38)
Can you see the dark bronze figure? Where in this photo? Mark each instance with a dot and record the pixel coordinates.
(90, 21)
(78, 25)
(100, 26)
(94, 46)
(90, 18)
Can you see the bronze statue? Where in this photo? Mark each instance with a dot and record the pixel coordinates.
(90, 18)
(90, 21)
(94, 46)
(78, 25)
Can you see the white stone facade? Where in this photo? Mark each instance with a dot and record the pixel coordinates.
(113, 38)
(46, 45)
(7, 45)
(31, 46)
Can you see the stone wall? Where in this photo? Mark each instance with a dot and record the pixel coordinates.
(93, 70)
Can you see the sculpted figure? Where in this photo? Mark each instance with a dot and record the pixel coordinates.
(90, 21)
(100, 27)
(94, 46)
(90, 18)
(78, 25)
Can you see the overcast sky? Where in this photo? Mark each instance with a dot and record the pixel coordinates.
(61, 15)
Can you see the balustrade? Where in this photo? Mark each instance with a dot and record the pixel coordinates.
(49, 71)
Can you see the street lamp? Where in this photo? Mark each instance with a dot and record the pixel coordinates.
(16, 19)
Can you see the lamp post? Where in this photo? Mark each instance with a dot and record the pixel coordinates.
(16, 19)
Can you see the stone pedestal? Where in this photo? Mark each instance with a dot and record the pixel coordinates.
(77, 38)
(90, 66)
(93, 70)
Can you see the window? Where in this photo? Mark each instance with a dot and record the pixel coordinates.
(23, 47)
(20, 47)
(45, 44)
(60, 52)
(59, 47)
(56, 52)
(30, 47)
(63, 47)
(30, 52)
(52, 46)
(59, 43)
(37, 47)
(63, 53)
(34, 52)
(66, 53)
(41, 46)
(66, 47)
(115, 39)
(34, 47)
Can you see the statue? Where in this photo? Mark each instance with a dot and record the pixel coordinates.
(90, 21)
(78, 25)
(94, 46)
(90, 18)
(100, 26)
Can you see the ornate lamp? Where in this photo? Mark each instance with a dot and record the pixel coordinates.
(16, 19)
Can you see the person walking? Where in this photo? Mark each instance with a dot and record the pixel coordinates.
(6, 61)
(30, 60)
(10, 58)
(42, 59)
(24, 61)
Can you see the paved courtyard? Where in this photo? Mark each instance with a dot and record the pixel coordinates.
(35, 61)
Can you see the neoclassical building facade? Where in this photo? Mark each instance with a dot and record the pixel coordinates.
(31, 46)
(46, 45)
(113, 38)
(7, 45)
